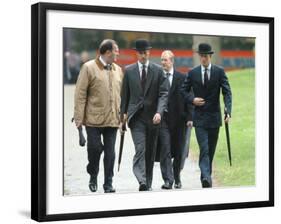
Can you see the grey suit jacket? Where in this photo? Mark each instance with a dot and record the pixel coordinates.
(154, 97)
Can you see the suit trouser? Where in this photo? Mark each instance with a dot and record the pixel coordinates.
(207, 139)
(145, 141)
(181, 151)
(164, 141)
(95, 147)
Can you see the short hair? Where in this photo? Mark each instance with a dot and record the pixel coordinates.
(170, 54)
(106, 45)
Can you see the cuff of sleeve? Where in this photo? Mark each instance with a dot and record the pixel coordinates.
(161, 113)
(190, 100)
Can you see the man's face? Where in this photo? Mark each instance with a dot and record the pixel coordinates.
(111, 56)
(205, 59)
(143, 56)
(166, 62)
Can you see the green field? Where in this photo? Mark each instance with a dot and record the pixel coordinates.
(242, 133)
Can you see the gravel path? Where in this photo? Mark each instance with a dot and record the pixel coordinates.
(75, 160)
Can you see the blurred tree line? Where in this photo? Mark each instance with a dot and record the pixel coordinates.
(87, 39)
(79, 45)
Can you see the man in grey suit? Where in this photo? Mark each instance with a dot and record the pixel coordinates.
(143, 100)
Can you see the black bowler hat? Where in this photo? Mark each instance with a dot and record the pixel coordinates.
(142, 45)
(205, 49)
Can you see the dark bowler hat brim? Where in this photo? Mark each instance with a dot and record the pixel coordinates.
(142, 45)
(205, 49)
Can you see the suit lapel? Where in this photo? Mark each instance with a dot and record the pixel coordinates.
(212, 77)
(149, 76)
(137, 76)
(212, 74)
(174, 83)
(199, 76)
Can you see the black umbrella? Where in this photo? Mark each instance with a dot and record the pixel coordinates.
(227, 138)
(121, 144)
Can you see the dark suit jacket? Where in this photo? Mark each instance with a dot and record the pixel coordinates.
(152, 100)
(209, 115)
(179, 111)
(178, 114)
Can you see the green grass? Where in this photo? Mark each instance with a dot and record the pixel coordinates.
(242, 134)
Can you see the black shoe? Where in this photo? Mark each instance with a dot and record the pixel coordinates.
(143, 187)
(109, 190)
(167, 185)
(178, 185)
(206, 183)
(93, 186)
(177, 181)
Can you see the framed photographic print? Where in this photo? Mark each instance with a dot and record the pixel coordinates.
(141, 111)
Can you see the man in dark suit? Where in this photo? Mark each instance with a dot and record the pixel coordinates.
(207, 80)
(143, 100)
(174, 125)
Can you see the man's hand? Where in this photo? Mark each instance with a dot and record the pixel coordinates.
(78, 123)
(124, 118)
(198, 101)
(156, 118)
(189, 124)
(227, 118)
(121, 128)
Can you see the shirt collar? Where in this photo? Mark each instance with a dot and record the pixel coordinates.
(102, 61)
(171, 71)
(203, 68)
(146, 64)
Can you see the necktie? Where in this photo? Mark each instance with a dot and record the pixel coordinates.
(168, 77)
(143, 77)
(206, 77)
(170, 84)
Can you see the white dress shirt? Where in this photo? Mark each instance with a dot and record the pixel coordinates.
(208, 72)
(102, 61)
(170, 76)
(140, 67)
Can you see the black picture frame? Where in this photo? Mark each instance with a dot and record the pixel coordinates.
(39, 110)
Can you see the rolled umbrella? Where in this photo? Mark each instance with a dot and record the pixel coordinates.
(227, 138)
(121, 145)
